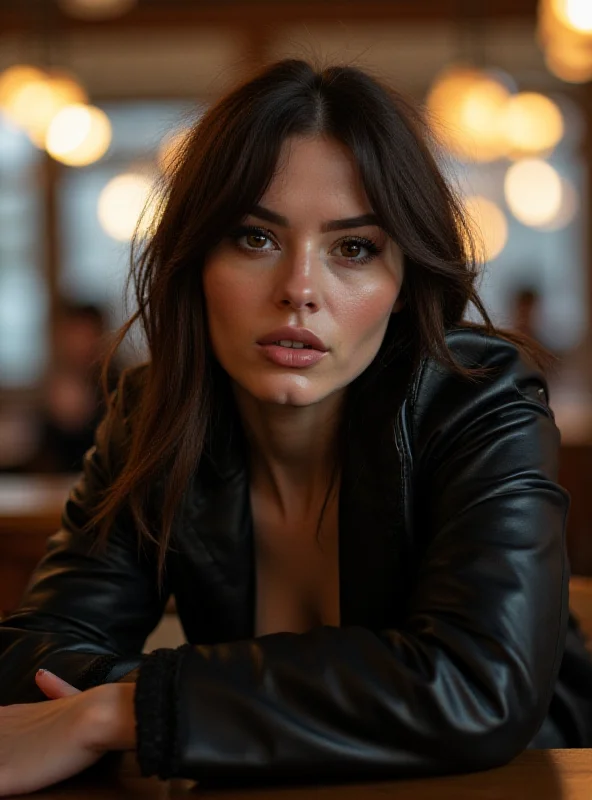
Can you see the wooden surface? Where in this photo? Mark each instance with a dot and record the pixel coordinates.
(32, 504)
(580, 601)
(242, 14)
(534, 775)
(30, 511)
(575, 471)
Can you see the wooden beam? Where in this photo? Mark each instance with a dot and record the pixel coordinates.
(249, 13)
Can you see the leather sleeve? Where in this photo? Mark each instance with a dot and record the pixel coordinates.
(464, 684)
(86, 611)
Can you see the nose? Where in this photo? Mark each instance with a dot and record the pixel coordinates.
(298, 283)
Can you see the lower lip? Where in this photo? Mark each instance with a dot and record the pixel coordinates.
(292, 357)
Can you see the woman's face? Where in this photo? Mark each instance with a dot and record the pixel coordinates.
(300, 259)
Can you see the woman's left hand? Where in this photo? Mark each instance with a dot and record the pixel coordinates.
(46, 742)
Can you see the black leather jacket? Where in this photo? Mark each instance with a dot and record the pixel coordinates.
(454, 607)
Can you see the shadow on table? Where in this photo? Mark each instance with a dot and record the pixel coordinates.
(117, 778)
(537, 779)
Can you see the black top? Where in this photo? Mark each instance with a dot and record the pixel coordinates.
(453, 595)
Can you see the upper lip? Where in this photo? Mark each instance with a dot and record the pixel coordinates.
(294, 335)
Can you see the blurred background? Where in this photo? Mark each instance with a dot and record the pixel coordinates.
(96, 94)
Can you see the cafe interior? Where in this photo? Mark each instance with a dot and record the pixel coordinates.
(97, 95)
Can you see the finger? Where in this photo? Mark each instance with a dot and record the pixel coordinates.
(52, 686)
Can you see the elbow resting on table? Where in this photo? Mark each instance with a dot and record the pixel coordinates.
(503, 737)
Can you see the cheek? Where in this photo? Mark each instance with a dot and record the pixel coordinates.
(216, 287)
(364, 319)
(227, 298)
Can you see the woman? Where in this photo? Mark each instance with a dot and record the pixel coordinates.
(350, 492)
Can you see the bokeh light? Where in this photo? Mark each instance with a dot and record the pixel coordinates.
(78, 135)
(122, 203)
(40, 101)
(532, 124)
(569, 60)
(489, 226)
(13, 81)
(570, 204)
(96, 9)
(576, 14)
(533, 192)
(564, 30)
(465, 106)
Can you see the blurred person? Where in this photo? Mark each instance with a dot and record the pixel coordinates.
(350, 490)
(72, 404)
(525, 306)
(566, 375)
(526, 315)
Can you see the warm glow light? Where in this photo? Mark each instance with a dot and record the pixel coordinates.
(568, 61)
(568, 48)
(12, 82)
(33, 104)
(170, 149)
(121, 204)
(570, 203)
(489, 226)
(96, 9)
(576, 14)
(532, 124)
(465, 105)
(78, 135)
(42, 100)
(549, 26)
(534, 192)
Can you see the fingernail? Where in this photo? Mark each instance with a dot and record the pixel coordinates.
(40, 672)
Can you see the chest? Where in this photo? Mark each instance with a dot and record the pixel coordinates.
(225, 571)
(296, 569)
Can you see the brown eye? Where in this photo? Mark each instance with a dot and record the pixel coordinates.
(256, 240)
(350, 249)
(353, 248)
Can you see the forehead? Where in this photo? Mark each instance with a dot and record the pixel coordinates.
(318, 167)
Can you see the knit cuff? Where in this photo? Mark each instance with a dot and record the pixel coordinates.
(96, 672)
(156, 711)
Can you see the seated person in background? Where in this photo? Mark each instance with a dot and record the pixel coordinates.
(525, 303)
(350, 490)
(73, 402)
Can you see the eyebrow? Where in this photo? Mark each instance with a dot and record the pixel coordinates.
(333, 225)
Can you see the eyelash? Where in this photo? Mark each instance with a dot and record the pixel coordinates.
(244, 230)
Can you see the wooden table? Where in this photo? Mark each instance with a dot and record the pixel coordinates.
(30, 511)
(575, 467)
(534, 775)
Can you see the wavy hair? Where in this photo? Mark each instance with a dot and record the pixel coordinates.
(220, 173)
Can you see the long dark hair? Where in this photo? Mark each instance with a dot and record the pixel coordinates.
(220, 173)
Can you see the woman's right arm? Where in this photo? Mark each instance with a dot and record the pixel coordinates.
(86, 612)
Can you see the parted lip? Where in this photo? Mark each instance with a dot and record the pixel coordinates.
(295, 335)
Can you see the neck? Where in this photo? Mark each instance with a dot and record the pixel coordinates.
(291, 449)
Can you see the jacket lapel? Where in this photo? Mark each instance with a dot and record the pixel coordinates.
(371, 533)
(218, 546)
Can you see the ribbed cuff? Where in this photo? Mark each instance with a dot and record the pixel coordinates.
(96, 672)
(156, 708)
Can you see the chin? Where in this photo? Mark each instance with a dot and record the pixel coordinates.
(289, 391)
